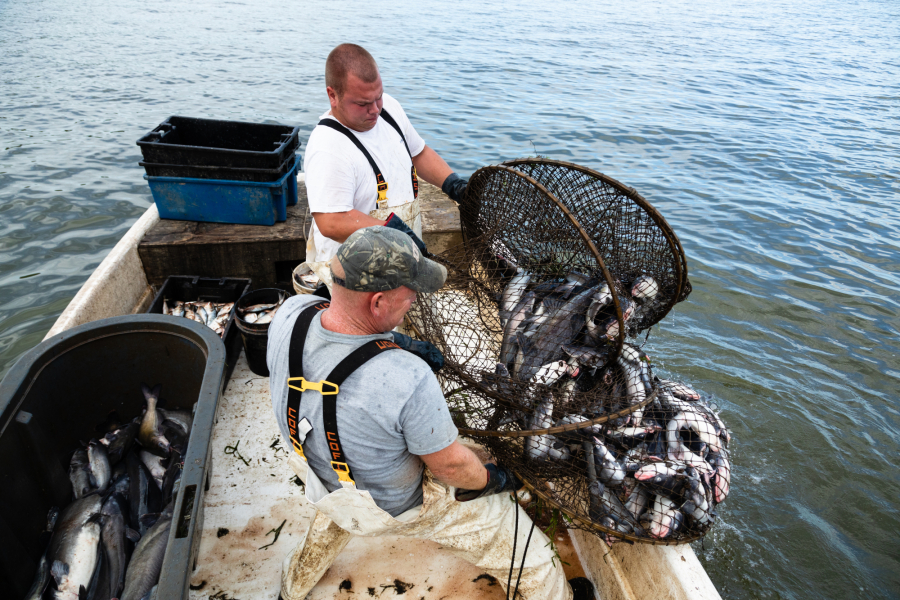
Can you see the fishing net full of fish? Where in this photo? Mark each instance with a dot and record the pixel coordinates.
(560, 269)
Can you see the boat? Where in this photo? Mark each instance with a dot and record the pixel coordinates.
(254, 510)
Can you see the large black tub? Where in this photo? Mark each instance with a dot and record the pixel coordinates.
(56, 394)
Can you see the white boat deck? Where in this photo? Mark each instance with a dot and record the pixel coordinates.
(251, 499)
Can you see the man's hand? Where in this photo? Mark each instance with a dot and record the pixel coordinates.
(500, 479)
(395, 222)
(424, 350)
(455, 187)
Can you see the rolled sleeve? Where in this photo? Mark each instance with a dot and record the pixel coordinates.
(425, 419)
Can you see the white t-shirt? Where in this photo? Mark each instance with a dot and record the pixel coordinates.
(339, 178)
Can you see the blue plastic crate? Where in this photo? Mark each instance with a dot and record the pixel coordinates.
(225, 201)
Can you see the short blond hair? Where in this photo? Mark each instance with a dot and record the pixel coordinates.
(346, 59)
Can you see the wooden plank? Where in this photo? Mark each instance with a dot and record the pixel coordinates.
(266, 254)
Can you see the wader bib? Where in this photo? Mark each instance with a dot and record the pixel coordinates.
(409, 212)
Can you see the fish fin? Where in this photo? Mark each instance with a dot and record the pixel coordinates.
(145, 389)
(524, 343)
(552, 304)
(149, 520)
(569, 350)
(59, 571)
(132, 535)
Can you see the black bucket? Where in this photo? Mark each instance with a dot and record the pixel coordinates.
(256, 337)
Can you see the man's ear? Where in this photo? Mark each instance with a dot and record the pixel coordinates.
(377, 303)
(332, 95)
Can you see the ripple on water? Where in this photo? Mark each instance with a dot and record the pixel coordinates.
(767, 134)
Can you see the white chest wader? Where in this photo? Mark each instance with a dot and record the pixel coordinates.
(481, 531)
(409, 212)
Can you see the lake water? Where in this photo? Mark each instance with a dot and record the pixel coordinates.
(767, 133)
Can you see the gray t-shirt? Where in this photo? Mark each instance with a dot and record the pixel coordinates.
(389, 411)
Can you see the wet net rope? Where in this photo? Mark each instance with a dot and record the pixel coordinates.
(562, 267)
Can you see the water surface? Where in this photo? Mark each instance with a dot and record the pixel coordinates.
(768, 134)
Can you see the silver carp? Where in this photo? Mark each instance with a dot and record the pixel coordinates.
(644, 288)
(119, 442)
(80, 474)
(146, 561)
(98, 462)
(508, 346)
(560, 328)
(74, 547)
(148, 434)
(180, 417)
(721, 477)
(609, 470)
(112, 536)
(664, 517)
(513, 293)
(154, 464)
(537, 447)
(638, 501)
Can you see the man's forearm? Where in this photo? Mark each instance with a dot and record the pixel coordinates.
(431, 167)
(339, 226)
(458, 466)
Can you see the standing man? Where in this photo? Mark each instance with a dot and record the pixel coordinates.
(369, 417)
(362, 160)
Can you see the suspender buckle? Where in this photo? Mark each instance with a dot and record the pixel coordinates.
(318, 386)
(382, 189)
(342, 471)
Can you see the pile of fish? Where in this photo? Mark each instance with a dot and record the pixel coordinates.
(110, 541)
(657, 471)
(213, 315)
(260, 314)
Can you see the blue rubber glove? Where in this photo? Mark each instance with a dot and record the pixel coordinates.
(500, 479)
(424, 350)
(395, 222)
(455, 187)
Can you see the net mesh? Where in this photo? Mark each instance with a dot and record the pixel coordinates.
(559, 267)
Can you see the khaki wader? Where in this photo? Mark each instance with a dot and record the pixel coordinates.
(480, 531)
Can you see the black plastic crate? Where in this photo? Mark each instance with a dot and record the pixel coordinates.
(188, 141)
(191, 288)
(57, 393)
(228, 173)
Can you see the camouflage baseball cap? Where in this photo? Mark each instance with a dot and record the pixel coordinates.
(378, 259)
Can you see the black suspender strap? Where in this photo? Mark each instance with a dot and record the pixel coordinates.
(390, 121)
(351, 362)
(295, 371)
(379, 178)
(415, 178)
(329, 388)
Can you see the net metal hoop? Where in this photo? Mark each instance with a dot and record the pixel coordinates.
(679, 259)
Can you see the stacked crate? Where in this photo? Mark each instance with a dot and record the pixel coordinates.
(222, 171)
